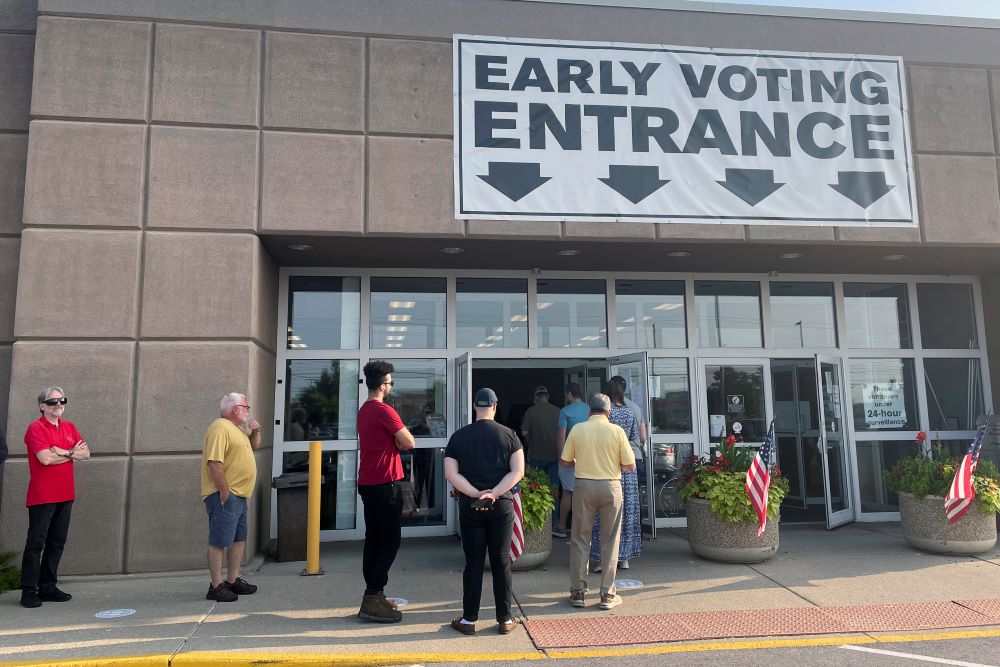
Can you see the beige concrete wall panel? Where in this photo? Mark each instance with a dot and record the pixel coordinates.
(312, 183)
(584, 231)
(198, 285)
(951, 110)
(314, 82)
(206, 75)
(676, 231)
(180, 385)
(96, 273)
(159, 540)
(203, 178)
(505, 229)
(261, 388)
(879, 235)
(959, 202)
(91, 69)
(265, 297)
(87, 174)
(260, 505)
(97, 379)
(16, 57)
(10, 250)
(788, 233)
(5, 358)
(410, 187)
(410, 89)
(13, 161)
(94, 545)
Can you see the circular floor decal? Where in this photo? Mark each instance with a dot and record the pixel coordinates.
(114, 613)
(626, 584)
(400, 602)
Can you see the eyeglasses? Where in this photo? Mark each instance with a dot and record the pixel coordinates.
(390, 383)
(243, 406)
(52, 402)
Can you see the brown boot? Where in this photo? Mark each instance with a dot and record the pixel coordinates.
(372, 609)
(386, 601)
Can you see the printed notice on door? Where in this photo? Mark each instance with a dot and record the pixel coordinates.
(884, 405)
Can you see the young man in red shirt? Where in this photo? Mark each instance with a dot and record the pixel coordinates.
(53, 444)
(381, 437)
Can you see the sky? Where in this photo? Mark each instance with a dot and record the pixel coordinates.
(987, 9)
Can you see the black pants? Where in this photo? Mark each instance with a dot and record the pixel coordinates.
(48, 526)
(383, 525)
(481, 532)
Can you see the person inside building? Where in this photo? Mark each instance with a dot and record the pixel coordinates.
(638, 444)
(53, 445)
(575, 412)
(483, 461)
(540, 428)
(381, 437)
(600, 452)
(228, 479)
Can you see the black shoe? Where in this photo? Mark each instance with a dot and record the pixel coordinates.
(30, 599)
(53, 595)
(240, 586)
(221, 593)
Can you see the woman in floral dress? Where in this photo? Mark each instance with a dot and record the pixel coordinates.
(631, 538)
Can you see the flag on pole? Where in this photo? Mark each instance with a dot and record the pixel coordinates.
(759, 479)
(962, 493)
(517, 537)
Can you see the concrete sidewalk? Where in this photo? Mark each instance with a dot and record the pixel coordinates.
(858, 564)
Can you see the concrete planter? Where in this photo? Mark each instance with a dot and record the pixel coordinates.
(728, 542)
(537, 548)
(925, 527)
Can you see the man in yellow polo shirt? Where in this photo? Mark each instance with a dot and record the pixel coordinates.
(228, 477)
(600, 451)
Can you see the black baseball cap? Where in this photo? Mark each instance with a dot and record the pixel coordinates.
(485, 398)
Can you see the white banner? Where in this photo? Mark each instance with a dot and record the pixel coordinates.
(600, 131)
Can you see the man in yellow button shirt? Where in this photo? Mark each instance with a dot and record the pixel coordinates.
(228, 477)
(600, 451)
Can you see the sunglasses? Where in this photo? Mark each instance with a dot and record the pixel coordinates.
(51, 402)
(390, 383)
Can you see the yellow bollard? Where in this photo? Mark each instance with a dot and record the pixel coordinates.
(312, 520)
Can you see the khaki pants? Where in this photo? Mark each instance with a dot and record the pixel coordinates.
(592, 497)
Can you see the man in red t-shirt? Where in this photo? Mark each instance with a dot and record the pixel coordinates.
(53, 444)
(381, 437)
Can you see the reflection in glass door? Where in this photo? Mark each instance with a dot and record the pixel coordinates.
(797, 438)
(736, 401)
(633, 368)
(839, 509)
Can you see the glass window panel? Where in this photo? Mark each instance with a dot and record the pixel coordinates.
(802, 315)
(954, 393)
(884, 395)
(650, 313)
(423, 487)
(728, 313)
(324, 312)
(667, 461)
(321, 400)
(492, 312)
(878, 315)
(418, 395)
(724, 383)
(338, 494)
(408, 313)
(875, 458)
(572, 313)
(960, 447)
(947, 316)
(670, 396)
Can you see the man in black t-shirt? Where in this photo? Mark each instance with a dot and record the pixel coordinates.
(484, 461)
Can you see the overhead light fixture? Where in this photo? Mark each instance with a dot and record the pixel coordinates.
(667, 306)
(542, 305)
(395, 337)
(893, 258)
(590, 338)
(679, 253)
(499, 329)
(295, 338)
(299, 247)
(297, 346)
(518, 318)
(397, 329)
(453, 250)
(402, 304)
(394, 345)
(494, 338)
(790, 255)
(569, 252)
(400, 318)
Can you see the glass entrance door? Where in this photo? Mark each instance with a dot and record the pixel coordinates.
(736, 401)
(833, 433)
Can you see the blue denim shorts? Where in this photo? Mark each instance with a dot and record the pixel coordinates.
(567, 477)
(227, 522)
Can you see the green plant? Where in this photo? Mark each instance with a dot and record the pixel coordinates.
(932, 475)
(721, 480)
(10, 575)
(537, 499)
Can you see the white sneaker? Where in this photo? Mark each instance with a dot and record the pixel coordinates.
(610, 601)
(623, 564)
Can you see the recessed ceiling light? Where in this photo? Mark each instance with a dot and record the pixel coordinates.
(569, 252)
(790, 255)
(453, 250)
(679, 253)
(300, 247)
(893, 258)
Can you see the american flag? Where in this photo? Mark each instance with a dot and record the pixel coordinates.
(759, 479)
(962, 493)
(517, 538)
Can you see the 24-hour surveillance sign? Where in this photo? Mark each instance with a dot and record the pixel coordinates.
(593, 131)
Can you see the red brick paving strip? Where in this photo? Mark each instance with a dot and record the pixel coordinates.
(989, 608)
(925, 616)
(608, 631)
(762, 623)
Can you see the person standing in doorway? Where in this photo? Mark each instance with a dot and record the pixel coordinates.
(53, 445)
(228, 478)
(575, 412)
(600, 451)
(638, 446)
(540, 428)
(483, 461)
(381, 437)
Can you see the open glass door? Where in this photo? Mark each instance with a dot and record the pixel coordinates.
(834, 441)
(633, 367)
(463, 391)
